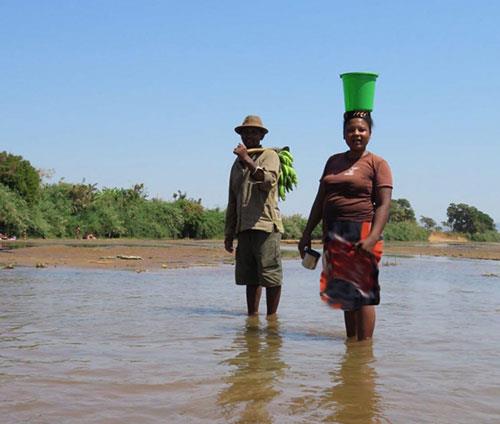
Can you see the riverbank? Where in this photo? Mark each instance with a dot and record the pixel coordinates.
(143, 255)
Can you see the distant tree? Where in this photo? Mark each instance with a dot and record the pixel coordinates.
(464, 218)
(82, 196)
(19, 176)
(401, 211)
(179, 195)
(46, 174)
(427, 223)
(137, 192)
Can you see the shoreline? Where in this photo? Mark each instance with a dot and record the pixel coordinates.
(143, 255)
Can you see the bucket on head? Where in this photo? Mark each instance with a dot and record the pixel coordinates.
(359, 90)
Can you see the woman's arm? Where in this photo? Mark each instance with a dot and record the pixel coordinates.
(314, 219)
(382, 207)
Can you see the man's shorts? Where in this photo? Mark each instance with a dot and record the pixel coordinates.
(258, 259)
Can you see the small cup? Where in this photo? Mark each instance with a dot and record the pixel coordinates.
(311, 259)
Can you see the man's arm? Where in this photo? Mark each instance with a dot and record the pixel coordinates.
(268, 173)
(230, 221)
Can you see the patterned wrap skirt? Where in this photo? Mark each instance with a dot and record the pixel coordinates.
(349, 278)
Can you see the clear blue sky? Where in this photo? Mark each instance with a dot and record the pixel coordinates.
(121, 92)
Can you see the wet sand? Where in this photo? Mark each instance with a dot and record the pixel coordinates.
(143, 255)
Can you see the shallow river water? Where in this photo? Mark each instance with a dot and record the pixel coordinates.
(175, 346)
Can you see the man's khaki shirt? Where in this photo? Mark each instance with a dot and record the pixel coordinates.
(253, 205)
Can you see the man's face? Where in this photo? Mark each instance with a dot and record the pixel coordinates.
(251, 137)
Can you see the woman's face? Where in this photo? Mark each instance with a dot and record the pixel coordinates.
(357, 134)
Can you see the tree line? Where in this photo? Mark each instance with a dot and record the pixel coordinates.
(31, 208)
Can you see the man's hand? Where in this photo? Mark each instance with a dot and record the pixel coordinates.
(228, 245)
(241, 152)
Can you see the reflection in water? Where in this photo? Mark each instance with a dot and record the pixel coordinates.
(353, 398)
(71, 350)
(258, 367)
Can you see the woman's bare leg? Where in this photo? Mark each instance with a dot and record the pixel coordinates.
(365, 322)
(350, 323)
(253, 299)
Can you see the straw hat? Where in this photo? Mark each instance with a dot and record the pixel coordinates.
(251, 121)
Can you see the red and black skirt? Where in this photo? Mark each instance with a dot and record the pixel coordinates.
(349, 278)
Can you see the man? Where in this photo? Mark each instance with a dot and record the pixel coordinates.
(253, 217)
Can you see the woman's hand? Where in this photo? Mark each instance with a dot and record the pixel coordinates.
(304, 242)
(228, 245)
(366, 245)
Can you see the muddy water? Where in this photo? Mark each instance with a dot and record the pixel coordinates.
(176, 347)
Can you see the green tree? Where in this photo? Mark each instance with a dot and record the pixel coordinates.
(14, 216)
(57, 208)
(103, 216)
(464, 218)
(401, 211)
(18, 175)
(428, 223)
(82, 196)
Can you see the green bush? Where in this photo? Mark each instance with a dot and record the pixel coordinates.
(294, 227)
(212, 224)
(405, 231)
(103, 218)
(56, 208)
(14, 213)
(158, 219)
(488, 236)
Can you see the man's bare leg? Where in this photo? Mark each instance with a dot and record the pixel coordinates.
(273, 295)
(253, 299)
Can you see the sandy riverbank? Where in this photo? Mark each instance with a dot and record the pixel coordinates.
(142, 255)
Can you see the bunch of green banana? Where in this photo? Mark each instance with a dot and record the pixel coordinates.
(288, 177)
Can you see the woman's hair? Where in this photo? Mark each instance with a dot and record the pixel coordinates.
(362, 114)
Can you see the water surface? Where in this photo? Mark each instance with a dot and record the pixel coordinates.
(175, 346)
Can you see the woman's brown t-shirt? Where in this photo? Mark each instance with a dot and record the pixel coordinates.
(350, 187)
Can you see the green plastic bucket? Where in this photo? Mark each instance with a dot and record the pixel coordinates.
(359, 90)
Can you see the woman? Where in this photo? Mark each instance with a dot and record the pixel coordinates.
(353, 201)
